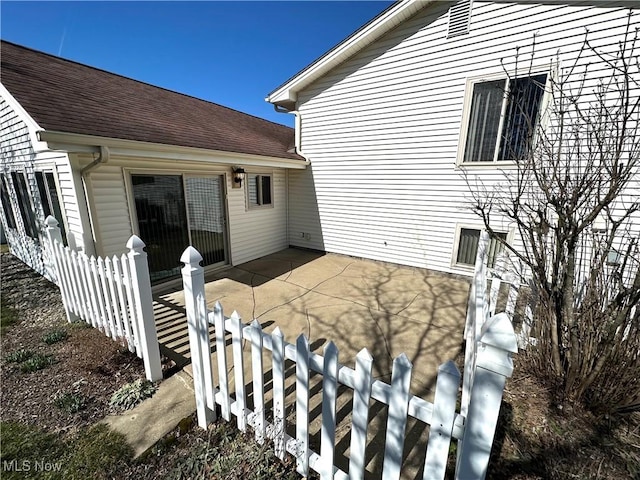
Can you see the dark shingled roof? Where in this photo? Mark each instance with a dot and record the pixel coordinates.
(66, 96)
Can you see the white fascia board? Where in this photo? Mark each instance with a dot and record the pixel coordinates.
(75, 142)
(31, 124)
(370, 32)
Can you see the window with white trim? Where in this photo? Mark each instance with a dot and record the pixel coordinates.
(50, 199)
(24, 204)
(466, 247)
(6, 203)
(259, 190)
(502, 117)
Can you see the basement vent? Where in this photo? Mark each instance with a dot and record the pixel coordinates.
(459, 16)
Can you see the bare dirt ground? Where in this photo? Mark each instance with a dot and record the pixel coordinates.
(91, 366)
(86, 364)
(534, 441)
(537, 441)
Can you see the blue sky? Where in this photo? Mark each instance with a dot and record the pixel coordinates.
(233, 53)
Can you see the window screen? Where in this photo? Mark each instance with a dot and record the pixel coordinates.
(6, 204)
(468, 247)
(50, 199)
(503, 114)
(26, 211)
(259, 190)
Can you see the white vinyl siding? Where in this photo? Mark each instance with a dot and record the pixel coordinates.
(19, 156)
(256, 232)
(304, 219)
(459, 16)
(382, 130)
(252, 233)
(109, 209)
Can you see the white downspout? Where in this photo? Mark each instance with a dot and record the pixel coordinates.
(103, 157)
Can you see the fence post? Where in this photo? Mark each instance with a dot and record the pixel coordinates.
(54, 235)
(493, 366)
(193, 281)
(148, 339)
(476, 307)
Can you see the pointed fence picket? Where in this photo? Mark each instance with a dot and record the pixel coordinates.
(474, 431)
(110, 294)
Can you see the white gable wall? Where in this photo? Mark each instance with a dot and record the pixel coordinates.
(382, 130)
(19, 155)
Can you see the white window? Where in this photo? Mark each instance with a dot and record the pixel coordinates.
(50, 199)
(24, 204)
(9, 215)
(501, 118)
(466, 247)
(259, 190)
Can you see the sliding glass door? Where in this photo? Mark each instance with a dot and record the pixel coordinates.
(175, 211)
(205, 213)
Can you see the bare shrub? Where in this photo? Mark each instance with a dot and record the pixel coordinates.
(572, 196)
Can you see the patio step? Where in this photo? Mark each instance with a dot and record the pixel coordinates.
(157, 416)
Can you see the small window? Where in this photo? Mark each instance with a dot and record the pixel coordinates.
(26, 211)
(467, 247)
(6, 204)
(50, 199)
(259, 190)
(502, 119)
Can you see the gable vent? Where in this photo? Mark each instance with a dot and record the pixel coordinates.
(459, 16)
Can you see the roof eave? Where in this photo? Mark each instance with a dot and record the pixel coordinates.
(387, 20)
(76, 142)
(30, 122)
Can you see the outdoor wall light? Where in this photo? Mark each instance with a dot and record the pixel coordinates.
(238, 176)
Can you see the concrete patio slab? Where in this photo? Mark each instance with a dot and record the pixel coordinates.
(388, 309)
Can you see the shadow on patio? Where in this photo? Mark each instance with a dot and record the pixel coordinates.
(388, 309)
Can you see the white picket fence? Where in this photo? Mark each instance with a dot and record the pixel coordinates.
(111, 294)
(474, 430)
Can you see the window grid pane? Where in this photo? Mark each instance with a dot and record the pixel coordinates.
(6, 204)
(205, 207)
(162, 222)
(522, 115)
(266, 190)
(468, 247)
(42, 191)
(259, 191)
(26, 212)
(484, 121)
(253, 189)
(55, 203)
